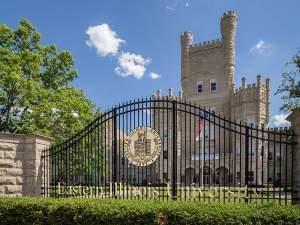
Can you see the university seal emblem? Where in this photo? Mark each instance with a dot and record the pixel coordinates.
(142, 146)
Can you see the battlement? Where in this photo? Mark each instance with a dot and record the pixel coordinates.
(158, 95)
(205, 45)
(186, 33)
(251, 92)
(279, 129)
(229, 13)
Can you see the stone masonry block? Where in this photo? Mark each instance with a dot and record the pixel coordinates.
(7, 180)
(1, 154)
(7, 163)
(7, 147)
(29, 181)
(30, 164)
(19, 164)
(10, 155)
(30, 155)
(14, 172)
(2, 190)
(13, 189)
(3, 172)
(19, 180)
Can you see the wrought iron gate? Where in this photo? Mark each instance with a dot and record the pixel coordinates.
(168, 149)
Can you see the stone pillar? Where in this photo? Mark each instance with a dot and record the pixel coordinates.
(294, 118)
(21, 169)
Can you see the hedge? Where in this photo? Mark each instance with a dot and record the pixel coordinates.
(21, 211)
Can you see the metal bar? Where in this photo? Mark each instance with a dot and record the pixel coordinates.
(268, 166)
(209, 138)
(234, 164)
(174, 154)
(251, 162)
(246, 160)
(292, 156)
(274, 166)
(286, 168)
(185, 152)
(115, 144)
(280, 172)
(162, 126)
(262, 160)
(224, 158)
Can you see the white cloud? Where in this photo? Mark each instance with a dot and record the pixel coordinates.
(187, 4)
(154, 76)
(279, 120)
(131, 64)
(170, 8)
(261, 47)
(103, 39)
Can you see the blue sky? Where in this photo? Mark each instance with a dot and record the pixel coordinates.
(142, 39)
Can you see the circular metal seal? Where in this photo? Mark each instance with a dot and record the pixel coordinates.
(142, 146)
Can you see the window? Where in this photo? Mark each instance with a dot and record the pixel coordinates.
(165, 176)
(251, 122)
(250, 176)
(200, 86)
(237, 151)
(238, 176)
(213, 110)
(165, 154)
(270, 155)
(165, 132)
(196, 156)
(165, 145)
(213, 85)
(209, 133)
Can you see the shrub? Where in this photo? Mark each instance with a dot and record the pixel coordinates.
(38, 211)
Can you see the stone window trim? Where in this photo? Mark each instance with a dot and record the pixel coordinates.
(213, 85)
(200, 86)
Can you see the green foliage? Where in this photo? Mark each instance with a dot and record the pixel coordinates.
(35, 91)
(290, 86)
(25, 211)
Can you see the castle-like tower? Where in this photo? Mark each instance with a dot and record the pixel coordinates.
(208, 80)
(208, 77)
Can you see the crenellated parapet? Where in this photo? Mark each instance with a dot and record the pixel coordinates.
(170, 96)
(205, 45)
(229, 13)
(255, 92)
(282, 130)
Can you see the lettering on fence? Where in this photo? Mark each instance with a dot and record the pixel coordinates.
(152, 192)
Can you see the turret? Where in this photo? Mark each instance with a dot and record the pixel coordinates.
(228, 30)
(244, 82)
(258, 80)
(170, 94)
(186, 40)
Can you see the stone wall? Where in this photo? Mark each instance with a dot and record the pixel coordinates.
(21, 165)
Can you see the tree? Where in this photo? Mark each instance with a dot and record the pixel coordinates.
(36, 95)
(290, 86)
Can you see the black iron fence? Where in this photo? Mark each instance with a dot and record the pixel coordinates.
(168, 149)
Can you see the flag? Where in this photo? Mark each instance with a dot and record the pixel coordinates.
(200, 125)
(199, 128)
